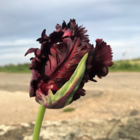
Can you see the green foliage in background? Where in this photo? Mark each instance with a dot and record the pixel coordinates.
(119, 66)
(20, 68)
(126, 66)
(69, 109)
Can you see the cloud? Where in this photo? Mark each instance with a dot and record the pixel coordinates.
(116, 22)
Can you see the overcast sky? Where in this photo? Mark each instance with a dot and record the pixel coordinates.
(117, 22)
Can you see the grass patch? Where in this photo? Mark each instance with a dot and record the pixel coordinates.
(70, 109)
(20, 68)
(125, 66)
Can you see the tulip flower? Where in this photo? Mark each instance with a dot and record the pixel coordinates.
(58, 57)
(64, 63)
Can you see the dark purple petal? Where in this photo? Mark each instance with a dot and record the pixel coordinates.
(31, 50)
(102, 59)
(43, 38)
(64, 25)
(39, 39)
(67, 33)
(56, 37)
(77, 31)
(43, 33)
(58, 27)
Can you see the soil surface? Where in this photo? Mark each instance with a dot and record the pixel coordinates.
(115, 96)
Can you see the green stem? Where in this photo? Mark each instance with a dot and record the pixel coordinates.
(38, 123)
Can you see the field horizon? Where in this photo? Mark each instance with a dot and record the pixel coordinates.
(119, 66)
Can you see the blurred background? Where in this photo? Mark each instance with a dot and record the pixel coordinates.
(111, 99)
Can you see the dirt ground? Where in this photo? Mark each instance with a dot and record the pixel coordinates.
(115, 96)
